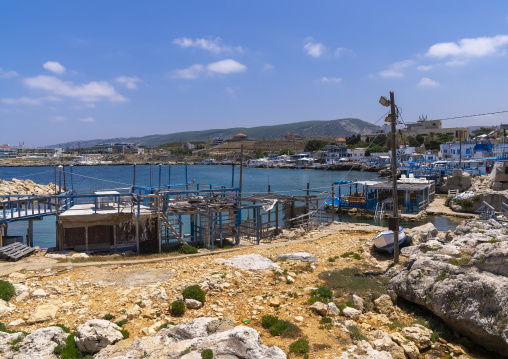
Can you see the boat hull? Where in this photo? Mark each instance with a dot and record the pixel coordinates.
(384, 240)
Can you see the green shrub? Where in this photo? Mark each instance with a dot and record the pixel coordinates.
(267, 321)
(441, 276)
(325, 320)
(7, 290)
(121, 323)
(355, 333)
(178, 307)
(4, 329)
(194, 292)
(64, 328)
(467, 202)
(475, 198)
(301, 346)
(285, 329)
(322, 294)
(347, 254)
(207, 354)
(357, 256)
(331, 259)
(187, 249)
(109, 316)
(125, 333)
(70, 350)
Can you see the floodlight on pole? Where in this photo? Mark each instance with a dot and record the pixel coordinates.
(384, 101)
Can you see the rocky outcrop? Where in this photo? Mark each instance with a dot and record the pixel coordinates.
(187, 341)
(458, 181)
(422, 234)
(38, 345)
(96, 334)
(42, 313)
(17, 186)
(464, 282)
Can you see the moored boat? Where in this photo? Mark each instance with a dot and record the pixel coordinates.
(384, 240)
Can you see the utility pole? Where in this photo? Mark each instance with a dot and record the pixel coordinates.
(395, 217)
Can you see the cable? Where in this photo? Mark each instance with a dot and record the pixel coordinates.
(100, 179)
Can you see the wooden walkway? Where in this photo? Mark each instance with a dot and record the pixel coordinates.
(15, 251)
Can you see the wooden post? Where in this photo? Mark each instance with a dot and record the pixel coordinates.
(86, 238)
(276, 218)
(1, 238)
(333, 203)
(114, 236)
(30, 234)
(137, 234)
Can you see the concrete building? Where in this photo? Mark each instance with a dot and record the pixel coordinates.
(425, 128)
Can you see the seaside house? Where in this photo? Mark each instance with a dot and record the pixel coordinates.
(426, 128)
(239, 137)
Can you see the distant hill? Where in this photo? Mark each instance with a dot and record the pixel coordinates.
(312, 129)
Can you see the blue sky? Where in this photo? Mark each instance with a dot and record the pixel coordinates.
(74, 70)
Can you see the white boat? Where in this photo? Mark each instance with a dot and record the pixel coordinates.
(384, 240)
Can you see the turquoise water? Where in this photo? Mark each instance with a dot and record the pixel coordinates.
(87, 179)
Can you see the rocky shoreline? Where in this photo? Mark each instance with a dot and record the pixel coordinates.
(284, 280)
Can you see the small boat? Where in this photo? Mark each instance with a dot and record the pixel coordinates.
(384, 240)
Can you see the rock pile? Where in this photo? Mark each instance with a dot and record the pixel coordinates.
(17, 186)
(464, 281)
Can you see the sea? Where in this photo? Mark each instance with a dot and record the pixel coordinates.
(87, 179)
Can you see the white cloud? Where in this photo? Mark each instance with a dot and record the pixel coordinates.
(226, 66)
(340, 51)
(57, 118)
(7, 74)
(425, 67)
(476, 47)
(268, 67)
(456, 62)
(314, 49)
(192, 72)
(87, 119)
(30, 100)
(213, 45)
(129, 82)
(220, 67)
(426, 82)
(330, 80)
(90, 92)
(395, 70)
(54, 67)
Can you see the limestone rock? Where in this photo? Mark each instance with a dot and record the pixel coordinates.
(218, 326)
(319, 308)
(39, 293)
(381, 340)
(22, 296)
(298, 319)
(4, 307)
(351, 313)
(357, 302)
(42, 313)
(238, 342)
(40, 344)
(422, 234)
(384, 304)
(193, 304)
(300, 256)
(419, 335)
(332, 309)
(408, 346)
(250, 262)
(467, 290)
(96, 334)
(363, 350)
(20, 288)
(275, 302)
(133, 311)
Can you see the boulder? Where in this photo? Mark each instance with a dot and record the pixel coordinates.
(332, 309)
(96, 334)
(464, 283)
(39, 293)
(238, 342)
(384, 304)
(274, 302)
(419, 335)
(249, 262)
(408, 346)
(4, 307)
(364, 350)
(133, 311)
(42, 313)
(40, 344)
(422, 234)
(319, 308)
(357, 302)
(351, 313)
(381, 341)
(193, 304)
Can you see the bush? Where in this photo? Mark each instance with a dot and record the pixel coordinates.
(301, 346)
(194, 292)
(467, 202)
(109, 316)
(187, 249)
(207, 354)
(267, 321)
(322, 294)
(125, 333)
(355, 333)
(69, 350)
(178, 307)
(6, 290)
(121, 323)
(325, 320)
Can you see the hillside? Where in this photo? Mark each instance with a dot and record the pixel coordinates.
(335, 128)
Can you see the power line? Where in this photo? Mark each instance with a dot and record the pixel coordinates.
(477, 115)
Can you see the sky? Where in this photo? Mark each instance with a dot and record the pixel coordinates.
(81, 70)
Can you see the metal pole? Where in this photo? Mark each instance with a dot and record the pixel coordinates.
(333, 203)
(394, 178)
(233, 174)
(133, 175)
(160, 175)
(186, 178)
(65, 186)
(72, 177)
(241, 168)
(169, 175)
